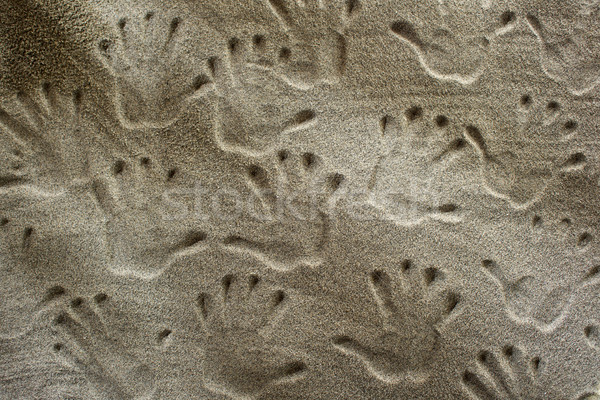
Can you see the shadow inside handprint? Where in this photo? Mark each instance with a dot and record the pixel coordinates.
(409, 343)
(592, 335)
(237, 359)
(86, 345)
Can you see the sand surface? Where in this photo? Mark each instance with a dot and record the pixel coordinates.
(300, 199)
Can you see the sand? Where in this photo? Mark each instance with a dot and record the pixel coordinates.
(300, 199)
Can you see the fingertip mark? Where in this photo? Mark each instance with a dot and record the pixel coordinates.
(100, 298)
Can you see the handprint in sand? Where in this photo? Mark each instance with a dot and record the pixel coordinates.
(255, 107)
(234, 319)
(414, 179)
(294, 198)
(509, 374)
(85, 344)
(520, 173)
(450, 38)
(154, 70)
(141, 241)
(414, 307)
(570, 54)
(315, 47)
(41, 138)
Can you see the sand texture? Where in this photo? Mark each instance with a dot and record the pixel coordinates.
(300, 199)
